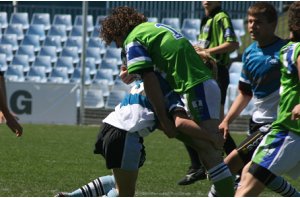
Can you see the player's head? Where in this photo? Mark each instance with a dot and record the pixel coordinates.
(262, 21)
(294, 20)
(119, 24)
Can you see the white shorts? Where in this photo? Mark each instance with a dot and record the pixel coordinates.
(278, 152)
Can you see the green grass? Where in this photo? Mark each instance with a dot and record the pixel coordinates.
(51, 158)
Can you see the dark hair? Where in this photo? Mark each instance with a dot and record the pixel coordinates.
(264, 8)
(294, 19)
(120, 22)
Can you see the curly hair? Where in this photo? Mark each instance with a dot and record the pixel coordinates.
(120, 23)
(294, 19)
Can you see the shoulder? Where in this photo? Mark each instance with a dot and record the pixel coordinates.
(221, 16)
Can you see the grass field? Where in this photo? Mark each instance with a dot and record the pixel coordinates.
(51, 158)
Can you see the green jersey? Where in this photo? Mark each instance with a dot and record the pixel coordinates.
(290, 88)
(154, 45)
(216, 30)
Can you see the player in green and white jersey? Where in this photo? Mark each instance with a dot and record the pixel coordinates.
(153, 47)
(277, 153)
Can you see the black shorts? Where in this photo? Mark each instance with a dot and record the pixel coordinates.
(120, 148)
(248, 146)
(223, 82)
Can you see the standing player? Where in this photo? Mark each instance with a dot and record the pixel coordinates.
(261, 61)
(152, 46)
(217, 39)
(277, 153)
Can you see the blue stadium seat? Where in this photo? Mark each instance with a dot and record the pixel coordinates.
(16, 29)
(32, 40)
(104, 75)
(114, 98)
(76, 76)
(173, 22)
(71, 52)
(3, 20)
(95, 32)
(14, 73)
(110, 63)
(43, 61)
(74, 41)
(36, 74)
(152, 19)
(93, 98)
(10, 39)
(94, 52)
(8, 51)
(238, 26)
(58, 76)
(189, 23)
(89, 22)
(53, 41)
(90, 64)
(22, 61)
(41, 19)
(97, 42)
(190, 34)
(20, 18)
(101, 85)
(49, 51)
(99, 19)
(76, 31)
(113, 53)
(65, 62)
(27, 50)
(3, 62)
(37, 29)
(58, 30)
(63, 19)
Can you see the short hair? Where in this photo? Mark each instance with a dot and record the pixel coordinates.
(120, 22)
(294, 18)
(264, 8)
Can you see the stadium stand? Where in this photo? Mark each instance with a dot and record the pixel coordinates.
(36, 74)
(110, 63)
(53, 41)
(190, 23)
(49, 51)
(173, 22)
(7, 50)
(14, 73)
(20, 18)
(37, 29)
(89, 64)
(63, 19)
(94, 52)
(22, 61)
(10, 39)
(58, 30)
(27, 50)
(3, 20)
(3, 63)
(74, 41)
(114, 98)
(65, 63)
(16, 29)
(89, 22)
(104, 75)
(32, 40)
(76, 76)
(43, 61)
(93, 98)
(41, 19)
(71, 52)
(58, 76)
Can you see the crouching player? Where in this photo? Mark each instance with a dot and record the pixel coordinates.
(120, 141)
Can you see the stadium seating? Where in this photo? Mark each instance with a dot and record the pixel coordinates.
(97, 42)
(93, 98)
(3, 63)
(76, 76)
(37, 29)
(58, 76)
(238, 26)
(53, 41)
(89, 22)
(99, 19)
(110, 63)
(32, 40)
(115, 53)
(153, 19)
(71, 52)
(43, 61)
(27, 50)
(190, 34)
(63, 19)
(74, 41)
(189, 23)
(94, 52)
(49, 51)
(173, 22)
(95, 32)
(41, 19)
(21, 61)
(58, 30)
(3, 20)
(10, 39)
(36, 74)
(14, 73)
(104, 75)
(76, 31)
(20, 18)
(16, 29)
(114, 98)
(65, 63)
(7, 50)
(103, 86)
(90, 64)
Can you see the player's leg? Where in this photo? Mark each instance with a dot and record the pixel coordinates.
(125, 182)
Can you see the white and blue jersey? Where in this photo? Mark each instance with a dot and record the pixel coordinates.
(261, 74)
(135, 113)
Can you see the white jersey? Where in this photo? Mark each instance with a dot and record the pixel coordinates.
(134, 113)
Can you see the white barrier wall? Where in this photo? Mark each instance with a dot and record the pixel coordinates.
(42, 102)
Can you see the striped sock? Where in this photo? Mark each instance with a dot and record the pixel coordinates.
(282, 187)
(98, 187)
(221, 177)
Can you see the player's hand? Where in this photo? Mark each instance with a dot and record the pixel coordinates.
(13, 124)
(296, 112)
(224, 129)
(125, 77)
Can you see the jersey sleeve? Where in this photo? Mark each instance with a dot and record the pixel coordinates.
(227, 28)
(138, 57)
(292, 53)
